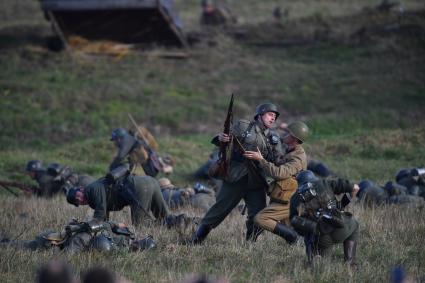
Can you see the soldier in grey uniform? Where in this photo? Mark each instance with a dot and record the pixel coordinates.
(243, 180)
(54, 178)
(316, 214)
(36, 171)
(203, 198)
(125, 184)
(198, 196)
(413, 180)
(130, 151)
(141, 193)
(372, 194)
(84, 236)
(399, 194)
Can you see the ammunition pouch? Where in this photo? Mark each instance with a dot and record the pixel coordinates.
(147, 243)
(214, 170)
(125, 231)
(303, 226)
(282, 190)
(333, 221)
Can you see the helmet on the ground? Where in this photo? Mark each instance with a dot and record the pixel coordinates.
(33, 165)
(306, 176)
(101, 243)
(266, 107)
(118, 133)
(364, 184)
(298, 130)
(147, 243)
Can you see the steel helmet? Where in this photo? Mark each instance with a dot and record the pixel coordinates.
(33, 165)
(118, 133)
(298, 130)
(266, 107)
(305, 177)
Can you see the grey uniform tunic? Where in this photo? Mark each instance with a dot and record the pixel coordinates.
(240, 182)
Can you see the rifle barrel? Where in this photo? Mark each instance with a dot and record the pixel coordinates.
(9, 190)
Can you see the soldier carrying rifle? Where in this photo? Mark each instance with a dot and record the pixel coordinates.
(241, 178)
(51, 180)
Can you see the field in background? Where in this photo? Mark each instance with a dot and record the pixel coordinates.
(362, 92)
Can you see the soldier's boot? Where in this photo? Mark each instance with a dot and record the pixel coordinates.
(200, 234)
(252, 232)
(285, 232)
(350, 252)
(176, 221)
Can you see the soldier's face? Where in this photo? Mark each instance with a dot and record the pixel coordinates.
(268, 119)
(81, 198)
(288, 139)
(117, 142)
(31, 174)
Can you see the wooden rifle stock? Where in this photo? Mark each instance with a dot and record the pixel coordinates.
(219, 169)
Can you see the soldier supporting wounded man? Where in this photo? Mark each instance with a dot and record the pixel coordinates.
(242, 182)
(275, 217)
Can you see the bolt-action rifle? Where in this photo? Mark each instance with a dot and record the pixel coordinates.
(219, 168)
(27, 189)
(153, 164)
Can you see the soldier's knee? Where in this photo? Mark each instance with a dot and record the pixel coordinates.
(258, 219)
(263, 222)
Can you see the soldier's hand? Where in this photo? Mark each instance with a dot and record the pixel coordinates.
(356, 189)
(253, 155)
(222, 137)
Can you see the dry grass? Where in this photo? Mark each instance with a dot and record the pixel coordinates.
(363, 99)
(388, 236)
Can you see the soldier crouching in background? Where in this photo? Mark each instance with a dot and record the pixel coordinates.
(316, 214)
(197, 196)
(141, 193)
(54, 178)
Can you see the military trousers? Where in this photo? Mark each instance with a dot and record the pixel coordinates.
(269, 217)
(350, 231)
(229, 197)
(149, 196)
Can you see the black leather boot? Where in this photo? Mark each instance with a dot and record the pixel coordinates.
(350, 252)
(252, 232)
(200, 234)
(285, 232)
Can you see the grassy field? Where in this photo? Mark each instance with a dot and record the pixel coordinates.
(355, 76)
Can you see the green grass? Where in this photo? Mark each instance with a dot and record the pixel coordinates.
(363, 98)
